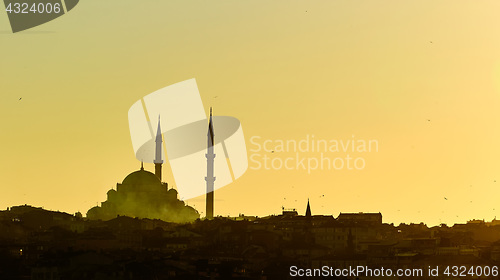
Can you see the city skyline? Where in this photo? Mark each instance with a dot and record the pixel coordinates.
(422, 80)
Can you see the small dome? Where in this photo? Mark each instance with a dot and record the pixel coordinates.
(141, 177)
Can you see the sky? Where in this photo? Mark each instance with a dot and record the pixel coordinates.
(421, 78)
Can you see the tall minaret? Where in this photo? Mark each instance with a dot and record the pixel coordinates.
(158, 161)
(210, 170)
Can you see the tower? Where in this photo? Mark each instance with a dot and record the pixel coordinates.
(308, 210)
(308, 236)
(210, 179)
(158, 161)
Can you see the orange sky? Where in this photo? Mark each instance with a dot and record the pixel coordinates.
(286, 69)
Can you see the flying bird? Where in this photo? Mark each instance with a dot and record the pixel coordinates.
(445, 198)
(20, 98)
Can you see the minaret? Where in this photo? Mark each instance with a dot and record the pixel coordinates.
(158, 161)
(210, 170)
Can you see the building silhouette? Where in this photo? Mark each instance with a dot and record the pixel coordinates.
(41, 244)
(142, 194)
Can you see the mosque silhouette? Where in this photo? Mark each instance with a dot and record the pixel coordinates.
(142, 194)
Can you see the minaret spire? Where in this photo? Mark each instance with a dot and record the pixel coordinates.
(158, 152)
(210, 170)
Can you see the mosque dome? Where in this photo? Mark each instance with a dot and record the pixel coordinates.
(141, 177)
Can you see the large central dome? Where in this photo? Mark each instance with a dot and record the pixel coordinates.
(142, 194)
(141, 177)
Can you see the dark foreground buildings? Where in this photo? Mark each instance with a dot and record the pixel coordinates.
(40, 244)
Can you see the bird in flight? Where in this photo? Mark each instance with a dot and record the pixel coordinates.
(20, 98)
(445, 198)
